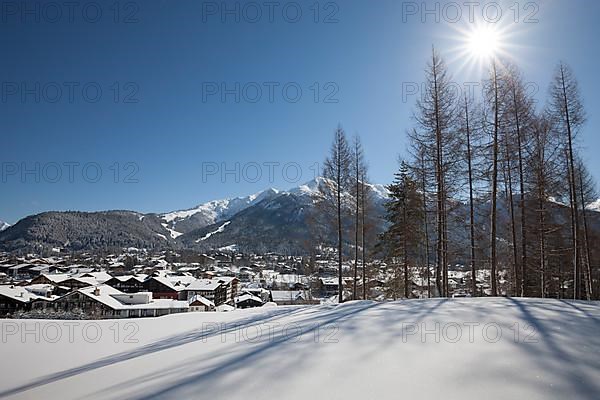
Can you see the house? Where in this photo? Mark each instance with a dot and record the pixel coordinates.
(259, 292)
(128, 283)
(212, 290)
(15, 298)
(231, 284)
(247, 300)
(104, 301)
(66, 280)
(328, 286)
(161, 288)
(291, 297)
(199, 303)
(53, 279)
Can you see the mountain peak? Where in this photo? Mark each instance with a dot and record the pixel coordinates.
(4, 225)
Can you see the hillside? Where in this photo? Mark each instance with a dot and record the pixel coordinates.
(358, 350)
(86, 231)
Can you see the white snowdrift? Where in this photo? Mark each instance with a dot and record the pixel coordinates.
(357, 350)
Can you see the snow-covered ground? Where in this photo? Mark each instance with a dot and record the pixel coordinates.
(507, 349)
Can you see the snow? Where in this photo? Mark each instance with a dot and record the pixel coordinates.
(174, 234)
(311, 188)
(218, 209)
(18, 293)
(219, 230)
(231, 247)
(357, 350)
(4, 225)
(595, 206)
(161, 236)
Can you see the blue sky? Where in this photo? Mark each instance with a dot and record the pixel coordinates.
(167, 114)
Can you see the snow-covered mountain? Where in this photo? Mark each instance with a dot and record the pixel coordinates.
(283, 222)
(184, 221)
(3, 226)
(178, 223)
(267, 220)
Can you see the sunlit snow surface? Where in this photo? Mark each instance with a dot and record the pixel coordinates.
(358, 350)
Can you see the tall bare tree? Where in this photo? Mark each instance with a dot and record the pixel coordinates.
(470, 164)
(494, 99)
(357, 172)
(522, 114)
(334, 191)
(566, 108)
(436, 117)
(588, 194)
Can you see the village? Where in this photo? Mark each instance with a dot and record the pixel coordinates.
(138, 284)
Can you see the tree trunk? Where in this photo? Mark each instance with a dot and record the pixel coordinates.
(439, 182)
(471, 204)
(493, 255)
(574, 207)
(588, 270)
(340, 236)
(512, 218)
(426, 225)
(364, 264)
(523, 280)
(356, 210)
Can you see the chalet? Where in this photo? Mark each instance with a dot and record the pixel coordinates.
(161, 288)
(15, 298)
(199, 303)
(22, 271)
(247, 301)
(212, 290)
(127, 283)
(259, 292)
(52, 279)
(75, 283)
(106, 302)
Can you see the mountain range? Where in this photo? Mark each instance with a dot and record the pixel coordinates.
(270, 220)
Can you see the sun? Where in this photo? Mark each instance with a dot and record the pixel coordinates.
(483, 42)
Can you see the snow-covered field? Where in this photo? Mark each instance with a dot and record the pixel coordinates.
(416, 349)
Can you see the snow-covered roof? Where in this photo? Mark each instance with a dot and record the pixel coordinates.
(246, 297)
(202, 300)
(57, 278)
(329, 281)
(204, 284)
(18, 293)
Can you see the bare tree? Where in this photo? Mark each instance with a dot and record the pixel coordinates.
(522, 113)
(467, 128)
(334, 190)
(358, 167)
(588, 194)
(568, 115)
(435, 117)
(495, 101)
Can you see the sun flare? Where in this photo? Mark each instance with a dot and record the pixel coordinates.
(483, 42)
